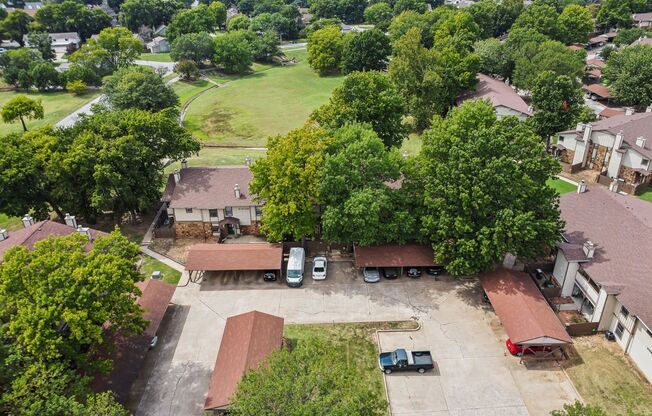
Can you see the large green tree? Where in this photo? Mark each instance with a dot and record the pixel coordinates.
(138, 87)
(325, 47)
(114, 48)
(195, 20)
(366, 97)
(42, 42)
(483, 182)
(234, 51)
(196, 47)
(366, 51)
(379, 14)
(151, 13)
(16, 25)
(628, 75)
(16, 66)
(72, 16)
(20, 108)
(614, 14)
(547, 56)
(540, 17)
(575, 23)
(348, 11)
(495, 57)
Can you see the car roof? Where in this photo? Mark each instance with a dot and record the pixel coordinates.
(319, 262)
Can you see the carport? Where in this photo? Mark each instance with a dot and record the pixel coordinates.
(394, 255)
(233, 257)
(525, 314)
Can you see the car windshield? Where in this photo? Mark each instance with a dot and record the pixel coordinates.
(294, 273)
(394, 358)
(371, 270)
(319, 269)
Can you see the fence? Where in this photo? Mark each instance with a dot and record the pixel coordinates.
(581, 329)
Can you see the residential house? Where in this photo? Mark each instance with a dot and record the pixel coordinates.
(616, 149)
(158, 45)
(60, 41)
(643, 20)
(208, 201)
(31, 7)
(604, 265)
(642, 41)
(502, 97)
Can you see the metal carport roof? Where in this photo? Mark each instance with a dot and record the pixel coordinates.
(394, 255)
(227, 257)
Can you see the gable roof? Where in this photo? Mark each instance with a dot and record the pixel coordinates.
(598, 89)
(223, 257)
(642, 41)
(394, 255)
(247, 341)
(642, 17)
(632, 126)
(498, 93)
(620, 227)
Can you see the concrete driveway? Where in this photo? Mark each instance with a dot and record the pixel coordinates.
(475, 374)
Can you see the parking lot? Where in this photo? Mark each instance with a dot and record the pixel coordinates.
(474, 377)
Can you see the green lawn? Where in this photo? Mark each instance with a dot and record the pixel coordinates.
(10, 223)
(604, 377)
(56, 105)
(186, 90)
(646, 195)
(561, 186)
(247, 110)
(212, 156)
(156, 57)
(150, 265)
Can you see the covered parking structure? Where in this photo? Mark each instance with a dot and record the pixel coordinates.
(394, 255)
(525, 314)
(233, 257)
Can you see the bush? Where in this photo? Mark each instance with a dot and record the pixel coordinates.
(77, 87)
(187, 69)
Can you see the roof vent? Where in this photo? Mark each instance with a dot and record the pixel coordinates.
(70, 220)
(581, 187)
(4, 234)
(236, 191)
(589, 249)
(28, 221)
(640, 142)
(85, 231)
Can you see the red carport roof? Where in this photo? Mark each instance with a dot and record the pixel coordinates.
(224, 257)
(522, 309)
(391, 255)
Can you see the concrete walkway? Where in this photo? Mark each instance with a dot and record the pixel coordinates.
(73, 117)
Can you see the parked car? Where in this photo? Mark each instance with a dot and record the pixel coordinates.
(319, 266)
(405, 360)
(390, 273)
(413, 272)
(518, 350)
(435, 270)
(269, 276)
(294, 275)
(371, 274)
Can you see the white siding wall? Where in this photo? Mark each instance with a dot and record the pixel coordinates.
(505, 111)
(245, 214)
(588, 289)
(627, 322)
(569, 141)
(567, 289)
(607, 313)
(640, 350)
(561, 265)
(180, 214)
(600, 306)
(634, 159)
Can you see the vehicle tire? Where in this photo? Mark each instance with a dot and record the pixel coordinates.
(387, 371)
(421, 370)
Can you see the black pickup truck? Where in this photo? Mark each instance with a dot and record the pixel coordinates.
(405, 360)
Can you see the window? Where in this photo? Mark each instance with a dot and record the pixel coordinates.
(188, 210)
(228, 211)
(259, 211)
(644, 162)
(619, 330)
(560, 139)
(624, 312)
(212, 213)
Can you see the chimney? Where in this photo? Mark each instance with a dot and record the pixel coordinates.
(177, 176)
(28, 220)
(618, 142)
(85, 231)
(581, 188)
(629, 111)
(184, 164)
(589, 249)
(579, 127)
(4, 234)
(640, 142)
(613, 186)
(70, 220)
(236, 191)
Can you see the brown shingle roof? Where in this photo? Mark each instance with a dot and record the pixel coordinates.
(620, 226)
(247, 341)
(632, 126)
(210, 188)
(522, 309)
(642, 41)
(642, 17)
(217, 257)
(498, 93)
(391, 255)
(612, 112)
(595, 62)
(599, 90)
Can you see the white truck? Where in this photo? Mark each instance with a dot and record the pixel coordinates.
(296, 261)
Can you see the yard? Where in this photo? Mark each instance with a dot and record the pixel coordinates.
(646, 195)
(156, 57)
(561, 186)
(150, 264)
(9, 223)
(186, 90)
(604, 377)
(56, 105)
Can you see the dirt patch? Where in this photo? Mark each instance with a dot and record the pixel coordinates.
(176, 249)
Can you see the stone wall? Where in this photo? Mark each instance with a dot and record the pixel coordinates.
(566, 156)
(193, 229)
(253, 229)
(600, 157)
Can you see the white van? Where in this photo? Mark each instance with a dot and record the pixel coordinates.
(294, 275)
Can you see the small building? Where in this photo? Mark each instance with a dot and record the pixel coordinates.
(642, 41)
(61, 42)
(158, 45)
(502, 97)
(247, 341)
(159, 30)
(598, 91)
(203, 202)
(603, 263)
(31, 7)
(394, 255)
(642, 20)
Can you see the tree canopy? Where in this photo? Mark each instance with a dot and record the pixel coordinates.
(234, 51)
(325, 47)
(196, 47)
(575, 24)
(614, 14)
(151, 13)
(114, 48)
(195, 20)
(366, 51)
(22, 108)
(72, 16)
(627, 73)
(138, 87)
(547, 56)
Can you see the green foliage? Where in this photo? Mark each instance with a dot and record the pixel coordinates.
(72, 16)
(366, 51)
(485, 15)
(115, 47)
(418, 6)
(626, 37)
(614, 13)
(287, 179)
(458, 31)
(379, 15)
(77, 87)
(579, 409)
(275, 22)
(469, 167)
(540, 17)
(366, 97)
(325, 47)
(138, 87)
(606, 52)
(234, 51)
(187, 69)
(520, 38)
(150, 13)
(42, 42)
(627, 73)
(238, 22)
(547, 56)
(219, 11)
(267, 46)
(312, 378)
(348, 11)
(21, 108)
(495, 57)
(196, 47)
(44, 76)
(575, 23)
(195, 20)
(16, 25)
(16, 65)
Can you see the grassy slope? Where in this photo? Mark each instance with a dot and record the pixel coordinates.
(150, 265)
(247, 110)
(56, 105)
(561, 186)
(186, 90)
(211, 156)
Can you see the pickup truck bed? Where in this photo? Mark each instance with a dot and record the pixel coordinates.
(420, 357)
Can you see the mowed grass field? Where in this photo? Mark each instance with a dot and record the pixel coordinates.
(561, 186)
(155, 57)
(245, 111)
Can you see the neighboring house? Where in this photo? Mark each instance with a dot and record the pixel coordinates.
(60, 41)
(604, 265)
(32, 7)
(205, 201)
(642, 19)
(231, 11)
(642, 41)
(33, 232)
(158, 44)
(594, 69)
(159, 30)
(502, 97)
(616, 149)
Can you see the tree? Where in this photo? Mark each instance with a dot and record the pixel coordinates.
(237, 22)
(575, 23)
(44, 76)
(151, 13)
(267, 46)
(16, 25)
(280, 386)
(366, 51)
(379, 15)
(614, 14)
(495, 57)
(557, 102)
(468, 168)
(72, 16)
(485, 15)
(82, 73)
(540, 17)
(579, 409)
(325, 47)
(196, 47)
(287, 179)
(348, 11)
(21, 108)
(458, 31)
(114, 48)
(520, 38)
(234, 52)
(219, 11)
(626, 37)
(627, 73)
(42, 42)
(547, 56)
(16, 65)
(77, 87)
(366, 97)
(138, 87)
(188, 70)
(195, 20)
(418, 6)
(272, 22)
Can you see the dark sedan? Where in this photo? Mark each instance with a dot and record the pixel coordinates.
(413, 272)
(390, 273)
